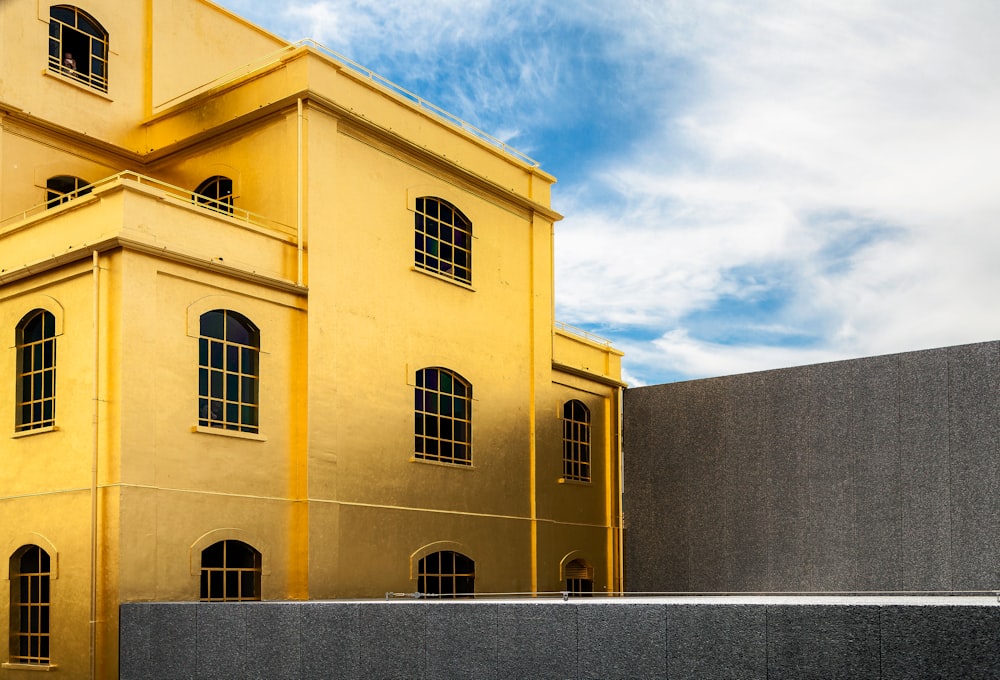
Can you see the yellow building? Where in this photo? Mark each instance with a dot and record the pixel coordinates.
(275, 329)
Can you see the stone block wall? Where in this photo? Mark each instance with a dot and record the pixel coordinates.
(877, 474)
(598, 639)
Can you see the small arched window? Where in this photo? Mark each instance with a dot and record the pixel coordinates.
(443, 239)
(35, 338)
(64, 188)
(228, 371)
(217, 193)
(446, 574)
(230, 572)
(30, 572)
(579, 578)
(443, 417)
(78, 46)
(576, 441)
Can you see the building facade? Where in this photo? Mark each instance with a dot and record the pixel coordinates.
(275, 330)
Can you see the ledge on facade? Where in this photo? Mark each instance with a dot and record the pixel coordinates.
(45, 236)
(586, 355)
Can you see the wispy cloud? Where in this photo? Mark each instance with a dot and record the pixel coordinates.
(747, 184)
(843, 152)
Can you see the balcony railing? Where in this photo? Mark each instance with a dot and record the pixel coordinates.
(579, 332)
(185, 195)
(96, 81)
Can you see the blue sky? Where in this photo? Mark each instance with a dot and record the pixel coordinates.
(747, 184)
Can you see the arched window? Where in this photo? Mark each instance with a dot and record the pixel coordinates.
(36, 371)
(63, 188)
(579, 578)
(29, 605)
(443, 239)
(78, 46)
(576, 441)
(216, 193)
(230, 572)
(443, 414)
(446, 574)
(228, 372)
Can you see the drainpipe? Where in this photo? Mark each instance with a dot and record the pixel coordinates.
(93, 473)
(301, 193)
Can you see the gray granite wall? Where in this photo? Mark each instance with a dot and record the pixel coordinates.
(877, 474)
(553, 639)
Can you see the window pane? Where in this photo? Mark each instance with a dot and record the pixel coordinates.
(250, 358)
(215, 354)
(63, 14)
(212, 324)
(249, 417)
(217, 384)
(249, 392)
(236, 331)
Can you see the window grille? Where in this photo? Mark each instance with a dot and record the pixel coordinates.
(228, 372)
(443, 242)
(443, 417)
(576, 441)
(78, 47)
(29, 605)
(216, 193)
(63, 188)
(36, 371)
(579, 578)
(230, 572)
(446, 574)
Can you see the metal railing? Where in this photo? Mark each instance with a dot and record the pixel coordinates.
(421, 102)
(567, 595)
(399, 90)
(92, 80)
(186, 195)
(587, 335)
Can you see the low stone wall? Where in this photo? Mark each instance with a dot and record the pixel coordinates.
(595, 638)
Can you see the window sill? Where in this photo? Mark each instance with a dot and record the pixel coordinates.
(43, 667)
(37, 430)
(77, 84)
(573, 482)
(442, 277)
(441, 463)
(201, 429)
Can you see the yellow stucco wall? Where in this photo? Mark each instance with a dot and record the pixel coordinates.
(318, 254)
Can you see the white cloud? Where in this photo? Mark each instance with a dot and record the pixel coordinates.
(834, 157)
(880, 113)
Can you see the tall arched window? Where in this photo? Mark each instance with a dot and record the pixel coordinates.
(443, 239)
(78, 46)
(443, 415)
(230, 572)
(29, 606)
(35, 405)
(446, 574)
(228, 372)
(576, 441)
(217, 193)
(579, 578)
(63, 188)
